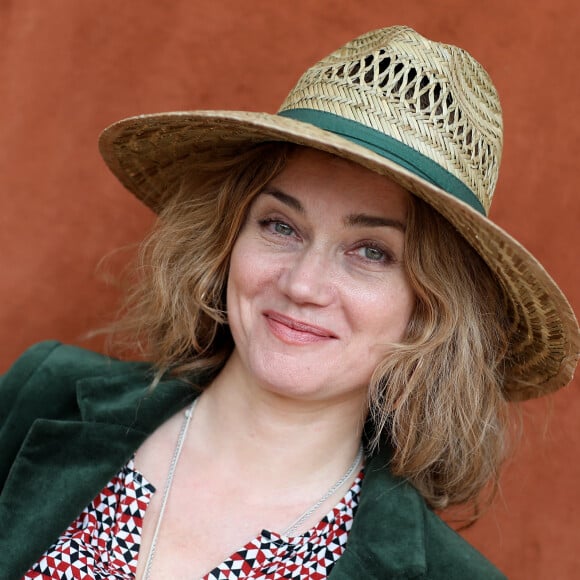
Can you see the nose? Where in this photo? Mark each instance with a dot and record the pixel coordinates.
(308, 278)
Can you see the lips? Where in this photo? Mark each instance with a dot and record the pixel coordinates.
(292, 330)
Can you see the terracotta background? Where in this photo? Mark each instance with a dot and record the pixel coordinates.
(69, 68)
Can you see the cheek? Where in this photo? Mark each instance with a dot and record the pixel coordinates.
(247, 274)
(238, 279)
(238, 291)
(385, 313)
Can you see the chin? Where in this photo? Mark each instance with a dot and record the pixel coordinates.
(288, 382)
(301, 382)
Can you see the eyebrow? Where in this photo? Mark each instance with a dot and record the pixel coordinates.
(286, 199)
(373, 221)
(358, 219)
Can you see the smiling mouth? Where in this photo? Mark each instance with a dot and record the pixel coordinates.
(296, 330)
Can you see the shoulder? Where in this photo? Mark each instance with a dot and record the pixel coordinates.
(67, 361)
(396, 535)
(48, 372)
(43, 384)
(450, 557)
(59, 382)
(56, 381)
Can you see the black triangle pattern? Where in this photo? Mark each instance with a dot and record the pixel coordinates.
(103, 543)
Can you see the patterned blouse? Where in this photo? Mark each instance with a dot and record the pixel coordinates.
(103, 543)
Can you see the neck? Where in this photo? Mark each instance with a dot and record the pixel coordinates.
(285, 438)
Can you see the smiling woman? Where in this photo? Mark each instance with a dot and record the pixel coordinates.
(300, 273)
(334, 329)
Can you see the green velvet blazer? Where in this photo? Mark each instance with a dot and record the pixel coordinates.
(70, 419)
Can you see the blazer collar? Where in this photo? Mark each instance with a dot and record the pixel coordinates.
(62, 463)
(127, 399)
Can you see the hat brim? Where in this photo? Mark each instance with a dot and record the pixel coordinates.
(148, 152)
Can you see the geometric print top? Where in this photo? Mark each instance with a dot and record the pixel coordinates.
(103, 543)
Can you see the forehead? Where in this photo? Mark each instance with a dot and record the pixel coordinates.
(318, 179)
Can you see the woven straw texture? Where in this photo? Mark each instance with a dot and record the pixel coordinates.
(432, 97)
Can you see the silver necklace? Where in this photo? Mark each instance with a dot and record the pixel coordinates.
(168, 483)
(171, 474)
(289, 531)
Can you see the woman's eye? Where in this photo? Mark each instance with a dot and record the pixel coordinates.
(282, 228)
(277, 227)
(373, 254)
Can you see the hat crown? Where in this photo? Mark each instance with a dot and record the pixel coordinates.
(432, 97)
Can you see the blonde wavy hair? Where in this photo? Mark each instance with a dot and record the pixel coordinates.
(436, 399)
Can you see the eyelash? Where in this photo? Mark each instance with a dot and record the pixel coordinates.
(272, 223)
(387, 257)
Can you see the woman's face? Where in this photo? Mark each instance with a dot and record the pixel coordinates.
(317, 289)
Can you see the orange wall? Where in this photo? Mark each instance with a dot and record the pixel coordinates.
(69, 68)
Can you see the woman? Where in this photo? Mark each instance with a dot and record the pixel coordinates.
(352, 324)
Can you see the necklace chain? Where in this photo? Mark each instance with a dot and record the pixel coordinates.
(171, 474)
(289, 531)
(167, 488)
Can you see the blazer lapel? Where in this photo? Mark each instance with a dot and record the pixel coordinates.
(62, 465)
(387, 539)
(58, 471)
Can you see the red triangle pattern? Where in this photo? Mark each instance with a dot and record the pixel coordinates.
(103, 543)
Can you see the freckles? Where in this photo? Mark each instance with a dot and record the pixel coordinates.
(244, 264)
(252, 270)
(377, 299)
(386, 308)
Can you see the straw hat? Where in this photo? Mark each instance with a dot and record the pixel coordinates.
(422, 113)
